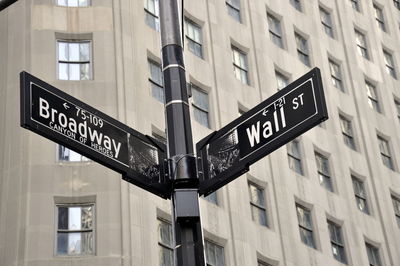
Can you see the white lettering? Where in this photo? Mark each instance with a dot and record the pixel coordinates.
(267, 132)
(254, 135)
(116, 148)
(107, 142)
(283, 117)
(95, 136)
(62, 119)
(43, 106)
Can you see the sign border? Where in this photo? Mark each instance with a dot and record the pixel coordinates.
(207, 186)
(26, 121)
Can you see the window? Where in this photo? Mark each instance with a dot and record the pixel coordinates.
(337, 243)
(294, 156)
(240, 65)
(275, 31)
(75, 229)
(194, 38)
(361, 44)
(397, 4)
(213, 198)
(257, 204)
(397, 104)
(200, 106)
(355, 4)
(214, 254)
(73, 3)
(389, 64)
(373, 255)
(152, 12)
(281, 80)
(67, 155)
(305, 225)
(74, 59)
(336, 75)
(379, 18)
(360, 194)
(296, 4)
(385, 152)
(326, 21)
(396, 206)
(323, 171)
(347, 132)
(302, 49)
(372, 97)
(156, 80)
(165, 243)
(234, 9)
(261, 263)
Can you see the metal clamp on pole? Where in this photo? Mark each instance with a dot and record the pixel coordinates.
(183, 171)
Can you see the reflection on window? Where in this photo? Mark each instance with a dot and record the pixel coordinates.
(151, 9)
(214, 254)
(305, 225)
(194, 38)
(296, 4)
(294, 156)
(326, 21)
(380, 21)
(281, 80)
(323, 171)
(396, 206)
(74, 59)
(336, 75)
(240, 67)
(373, 255)
(200, 105)
(234, 9)
(337, 243)
(302, 49)
(73, 3)
(67, 155)
(355, 4)
(361, 44)
(156, 80)
(385, 152)
(372, 97)
(389, 64)
(257, 204)
(165, 243)
(360, 195)
(347, 132)
(275, 31)
(75, 229)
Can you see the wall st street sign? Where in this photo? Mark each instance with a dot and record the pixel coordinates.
(228, 153)
(62, 118)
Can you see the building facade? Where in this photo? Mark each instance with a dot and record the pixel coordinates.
(330, 197)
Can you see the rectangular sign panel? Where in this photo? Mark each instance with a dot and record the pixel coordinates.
(62, 118)
(228, 153)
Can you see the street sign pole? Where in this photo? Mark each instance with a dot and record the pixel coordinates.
(182, 161)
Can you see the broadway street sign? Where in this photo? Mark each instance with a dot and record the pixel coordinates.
(228, 153)
(62, 118)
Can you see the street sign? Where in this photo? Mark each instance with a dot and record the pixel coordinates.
(228, 153)
(64, 119)
(6, 3)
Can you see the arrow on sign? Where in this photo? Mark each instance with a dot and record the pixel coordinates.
(66, 106)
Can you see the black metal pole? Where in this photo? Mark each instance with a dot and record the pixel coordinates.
(186, 213)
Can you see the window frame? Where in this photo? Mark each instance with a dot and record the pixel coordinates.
(325, 177)
(190, 40)
(362, 44)
(379, 17)
(347, 132)
(309, 229)
(337, 242)
(303, 51)
(326, 21)
(199, 108)
(373, 98)
(386, 154)
(67, 42)
(215, 246)
(154, 16)
(237, 65)
(165, 246)
(359, 184)
(336, 78)
(389, 64)
(68, 231)
(275, 37)
(258, 206)
(233, 9)
(154, 82)
(293, 157)
(396, 209)
(78, 3)
(83, 159)
(375, 254)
